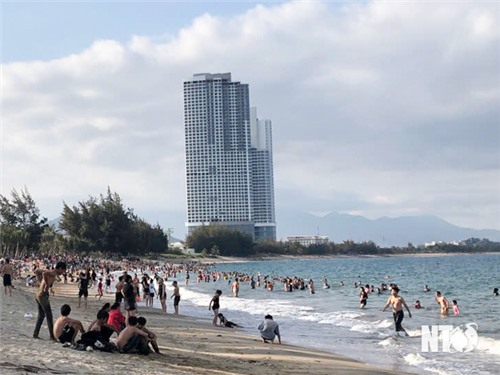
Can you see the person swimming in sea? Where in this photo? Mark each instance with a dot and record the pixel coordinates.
(456, 310)
(417, 305)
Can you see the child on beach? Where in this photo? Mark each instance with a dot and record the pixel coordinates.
(226, 323)
(456, 310)
(99, 289)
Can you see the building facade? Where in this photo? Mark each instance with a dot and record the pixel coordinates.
(229, 170)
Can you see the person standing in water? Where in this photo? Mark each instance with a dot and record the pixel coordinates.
(397, 303)
(177, 297)
(214, 305)
(442, 302)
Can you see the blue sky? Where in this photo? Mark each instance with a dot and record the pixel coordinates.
(378, 108)
(46, 30)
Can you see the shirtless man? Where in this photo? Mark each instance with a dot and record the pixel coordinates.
(397, 308)
(47, 279)
(442, 302)
(132, 338)
(7, 271)
(66, 328)
(141, 324)
(83, 287)
(235, 287)
(177, 297)
(119, 288)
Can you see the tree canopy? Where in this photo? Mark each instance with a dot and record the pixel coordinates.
(220, 240)
(104, 225)
(21, 226)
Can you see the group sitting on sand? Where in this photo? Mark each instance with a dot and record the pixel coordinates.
(133, 337)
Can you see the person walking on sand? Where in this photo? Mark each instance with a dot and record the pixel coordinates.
(442, 302)
(83, 288)
(397, 309)
(99, 289)
(177, 297)
(214, 305)
(42, 298)
(7, 271)
(269, 330)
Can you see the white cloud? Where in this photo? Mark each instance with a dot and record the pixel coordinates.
(380, 108)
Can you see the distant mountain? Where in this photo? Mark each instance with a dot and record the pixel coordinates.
(385, 232)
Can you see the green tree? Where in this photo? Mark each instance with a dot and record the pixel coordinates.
(105, 225)
(230, 242)
(21, 226)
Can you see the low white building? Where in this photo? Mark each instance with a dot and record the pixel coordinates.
(307, 240)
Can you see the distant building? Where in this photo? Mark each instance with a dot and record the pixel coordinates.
(307, 240)
(229, 164)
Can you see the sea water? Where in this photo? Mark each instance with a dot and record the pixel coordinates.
(331, 320)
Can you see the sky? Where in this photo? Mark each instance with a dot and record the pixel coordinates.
(379, 108)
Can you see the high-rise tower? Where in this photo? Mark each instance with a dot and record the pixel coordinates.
(229, 170)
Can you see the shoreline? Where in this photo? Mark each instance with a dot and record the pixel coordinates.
(225, 260)
(188, 345)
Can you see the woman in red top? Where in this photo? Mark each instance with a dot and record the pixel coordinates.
(116, 318)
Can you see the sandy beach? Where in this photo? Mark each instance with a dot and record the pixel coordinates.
(188, 346)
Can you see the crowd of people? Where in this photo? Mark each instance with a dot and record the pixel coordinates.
(131, 334)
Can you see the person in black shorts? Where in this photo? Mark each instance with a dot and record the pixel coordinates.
(177, 297)
(129, 297)
(83, 288)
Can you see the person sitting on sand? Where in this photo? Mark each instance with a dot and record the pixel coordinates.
(116, 318)
(133, 339)
(141, 324)
(101, 325)
(269, 330)
(99, 334)
(226, 323)
(66, 328)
